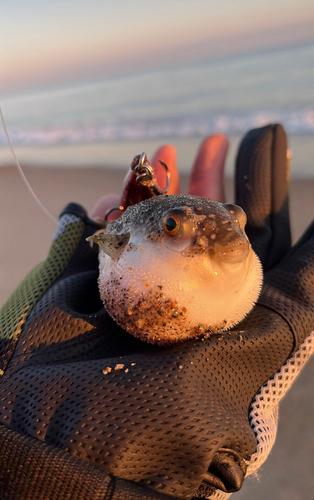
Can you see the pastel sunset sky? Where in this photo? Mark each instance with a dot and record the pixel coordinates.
(48, 44)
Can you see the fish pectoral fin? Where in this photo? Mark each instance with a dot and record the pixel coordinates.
(111, 244)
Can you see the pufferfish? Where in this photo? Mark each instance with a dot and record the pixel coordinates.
(177, 267)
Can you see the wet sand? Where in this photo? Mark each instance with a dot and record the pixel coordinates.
(26, 235)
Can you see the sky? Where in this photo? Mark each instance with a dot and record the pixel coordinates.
(48, 44)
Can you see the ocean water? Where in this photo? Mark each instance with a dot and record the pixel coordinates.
(229, 96)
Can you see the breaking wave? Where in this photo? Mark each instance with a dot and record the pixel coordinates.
(294, 121)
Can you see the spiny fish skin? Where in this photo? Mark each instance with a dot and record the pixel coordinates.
(177, 267)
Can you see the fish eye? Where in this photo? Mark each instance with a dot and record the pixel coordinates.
(172, 224)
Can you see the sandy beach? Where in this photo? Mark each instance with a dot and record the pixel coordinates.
(26, 236)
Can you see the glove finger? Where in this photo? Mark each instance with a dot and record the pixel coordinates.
(208, 170)
(262, 191)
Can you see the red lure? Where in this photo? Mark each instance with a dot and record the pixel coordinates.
(139, 184)
(133, 191)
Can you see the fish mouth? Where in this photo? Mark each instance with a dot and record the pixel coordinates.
(226, 471)
(233, 252)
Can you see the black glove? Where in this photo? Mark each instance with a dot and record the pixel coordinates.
(181, 421)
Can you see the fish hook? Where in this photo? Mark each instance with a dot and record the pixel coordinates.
(145, 175)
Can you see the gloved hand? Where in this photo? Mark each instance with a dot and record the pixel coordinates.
(184, 421)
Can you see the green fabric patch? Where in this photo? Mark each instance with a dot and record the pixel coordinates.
(17, 308)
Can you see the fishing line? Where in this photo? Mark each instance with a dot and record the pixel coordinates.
(22, 173)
